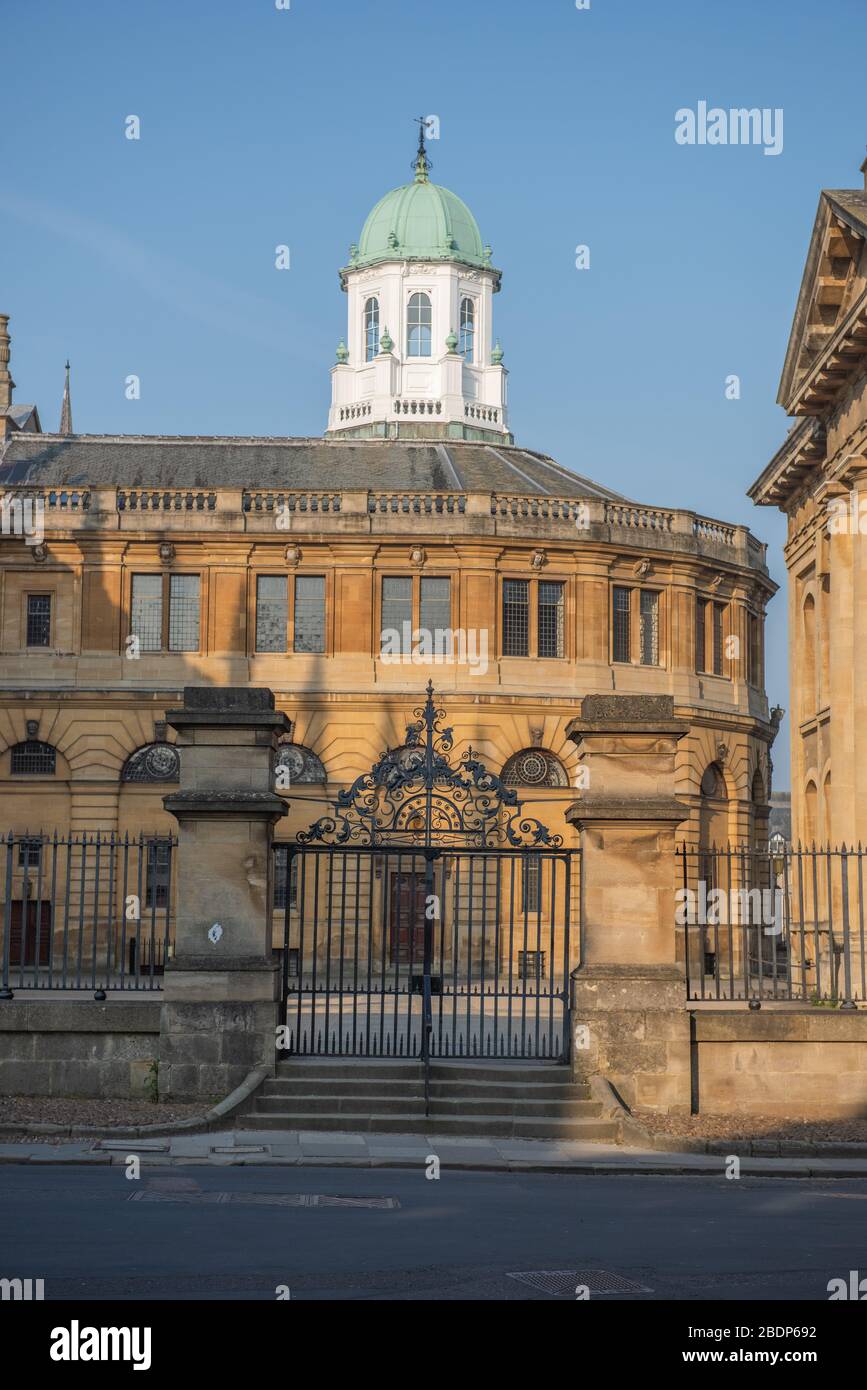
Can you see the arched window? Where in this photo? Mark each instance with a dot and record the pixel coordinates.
(713, 821)
(534, 767)
(418, 326)
(712, 783)
(154, 762)
(371, 329)
(811, 813)
(466, 342)
(33, 757)
(301, 763)
(808, 670)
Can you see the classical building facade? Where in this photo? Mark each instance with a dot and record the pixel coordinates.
(818, 478)
(414, 541)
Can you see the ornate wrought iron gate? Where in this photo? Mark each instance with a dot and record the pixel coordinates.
(428, 917)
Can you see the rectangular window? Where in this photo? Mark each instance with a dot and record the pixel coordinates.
(700, 634)
(718, 609)
(531, 894)
(183, 613)
(281, 864)
(648, 628)
(397, 615)
(158, 873)
(146, 618)
(38, 620)
(309, 613)
(551, 606)
(435, 614)
(272, 612)
(621, 610)
(29, 853)
(516, 617)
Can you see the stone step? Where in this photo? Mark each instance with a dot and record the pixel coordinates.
(283, 1085)
(295, 1085)
(535, 1090)
(453, 1106)
(411, 1122)
(356, 1067)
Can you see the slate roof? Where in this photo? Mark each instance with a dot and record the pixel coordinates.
(165, 461)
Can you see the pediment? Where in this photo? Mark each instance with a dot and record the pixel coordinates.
(829, 333)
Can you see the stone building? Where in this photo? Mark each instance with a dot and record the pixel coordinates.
(415, 540)
(818, 478)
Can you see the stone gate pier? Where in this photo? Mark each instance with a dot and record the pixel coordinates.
(629, 1012)
(220, 1003)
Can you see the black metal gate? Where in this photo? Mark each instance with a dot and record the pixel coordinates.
(428, 917)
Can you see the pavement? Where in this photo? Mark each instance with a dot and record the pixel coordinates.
(251, 1148)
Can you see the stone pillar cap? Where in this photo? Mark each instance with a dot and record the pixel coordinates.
(625, 714)
(237, 705)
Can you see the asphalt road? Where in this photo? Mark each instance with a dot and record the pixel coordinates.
(238, 1233)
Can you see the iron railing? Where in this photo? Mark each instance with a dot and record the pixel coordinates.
(760, 924)
(85, 912)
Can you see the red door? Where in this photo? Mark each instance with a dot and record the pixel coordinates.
(406, 919)
(31, 938)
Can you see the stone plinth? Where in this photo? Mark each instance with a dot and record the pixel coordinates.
(220, 1003)
(628, 995)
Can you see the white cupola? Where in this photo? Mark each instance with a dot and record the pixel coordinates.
(419, 359)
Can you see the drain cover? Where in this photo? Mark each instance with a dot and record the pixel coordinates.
(562, 1283)
(263, 1199)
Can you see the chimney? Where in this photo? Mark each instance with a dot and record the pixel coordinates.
(7, 385)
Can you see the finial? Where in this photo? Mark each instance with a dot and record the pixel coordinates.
(386, 342)
(66, 408)
(422, 164)
(6, 383)
(452, 341)
(497, 354)
(342, 353)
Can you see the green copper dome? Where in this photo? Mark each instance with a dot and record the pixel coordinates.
(420, 221)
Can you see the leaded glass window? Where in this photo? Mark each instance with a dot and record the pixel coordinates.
(272, 612)
(648, 627)
(436, 613)
(146, 617)
(309, 613)
(397, 615)
(38, 620)
(621, 645)
(183, 613)
(516, 617)
(551, 606)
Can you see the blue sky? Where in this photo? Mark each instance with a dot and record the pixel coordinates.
(261, 127)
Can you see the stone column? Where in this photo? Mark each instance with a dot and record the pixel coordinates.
(219, 1011)
(630, 1021)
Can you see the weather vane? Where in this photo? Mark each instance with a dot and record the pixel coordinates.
(421, 163)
